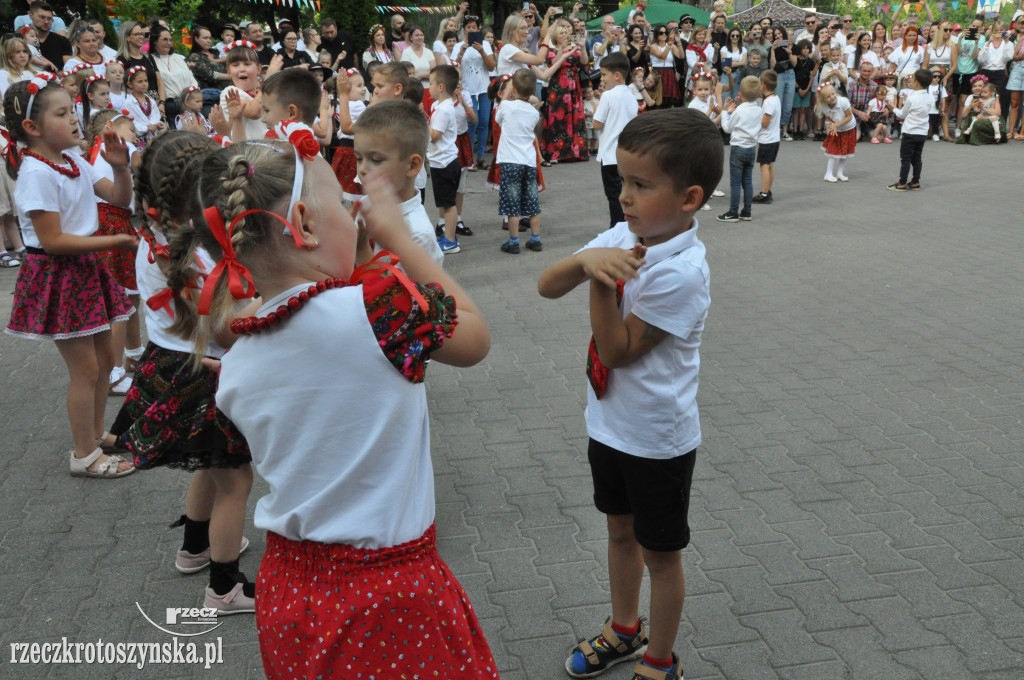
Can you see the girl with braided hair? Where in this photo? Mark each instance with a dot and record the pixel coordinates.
(170, 418)
(326, 385)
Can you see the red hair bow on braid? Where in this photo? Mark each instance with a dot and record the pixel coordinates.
(240, 283)
(156, 249)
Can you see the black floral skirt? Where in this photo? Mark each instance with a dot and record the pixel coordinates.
(169, 417)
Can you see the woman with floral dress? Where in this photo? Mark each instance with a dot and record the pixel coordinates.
(565, 124)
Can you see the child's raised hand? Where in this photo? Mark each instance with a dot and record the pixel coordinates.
(233, 100)
(343, 85)
(608, 265)
(116, 151)
(219, 121)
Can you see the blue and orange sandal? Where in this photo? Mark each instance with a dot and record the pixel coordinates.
(644, 672)
(594, 656)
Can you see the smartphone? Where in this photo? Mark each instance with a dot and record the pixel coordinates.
(726, 62)
(783, 43)
(526, 6)
(558, 10)
(475, 37)
(972, 33)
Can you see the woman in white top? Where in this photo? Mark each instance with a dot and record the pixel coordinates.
(311, 38)
(993, 58)
(940, 51)
(861, 52)
(513, 55)
(737, 54)
(378, 49)
(419, 56)
(451, 25)
(176, 74)
(476, 60)
(87, 51)
(909, 56)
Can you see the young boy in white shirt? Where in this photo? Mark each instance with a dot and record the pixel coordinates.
(768, 136)
(743, 123)
(914, 114)
(643, 422)
(517, 159)
(616, 109)
(392, 136)
(443, 154)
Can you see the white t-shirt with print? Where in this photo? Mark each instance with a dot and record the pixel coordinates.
(39, 187)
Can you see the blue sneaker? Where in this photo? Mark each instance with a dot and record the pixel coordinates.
(448, 247)
(594, 656)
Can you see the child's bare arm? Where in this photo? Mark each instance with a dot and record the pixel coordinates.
(253, 109)
(605, 265)
(619, 341)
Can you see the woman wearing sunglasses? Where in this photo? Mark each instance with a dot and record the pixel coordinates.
(132, 36)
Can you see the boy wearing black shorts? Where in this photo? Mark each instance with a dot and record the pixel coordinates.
(641, 409)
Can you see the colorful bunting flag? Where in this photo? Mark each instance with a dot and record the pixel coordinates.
(885, 10)
(392, 9)
(941, 6)
(917, 7)
(956, 5)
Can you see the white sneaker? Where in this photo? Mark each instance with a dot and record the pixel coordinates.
(830, 178)
(706, 206)
(842, 178)
(786, 138)
(935, 138)
(717, 194)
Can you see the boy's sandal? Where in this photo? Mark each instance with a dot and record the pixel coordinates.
(545, 164)
(131, 365)
(642, 672)
(7, 261)
(607, 649)
(106, 470)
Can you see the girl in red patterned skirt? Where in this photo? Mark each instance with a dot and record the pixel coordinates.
(64, 293)
(325, 383)
(351, 91)
(117, 220)
(841, 132)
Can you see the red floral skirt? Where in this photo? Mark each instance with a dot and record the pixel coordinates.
(465, 147)
(336, 611)
(116, 220)
(59, 297)
(841, 145)
(494, 174)
(344, 166)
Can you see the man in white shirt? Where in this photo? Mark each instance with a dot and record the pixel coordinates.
(809, 29)
(617, 107)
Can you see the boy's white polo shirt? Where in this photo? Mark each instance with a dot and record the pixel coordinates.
(650, 407)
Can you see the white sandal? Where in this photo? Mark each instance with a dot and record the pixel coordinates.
(106, 470)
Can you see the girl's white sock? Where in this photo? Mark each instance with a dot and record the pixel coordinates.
(134, 353)
(830, 168)
(842, 167)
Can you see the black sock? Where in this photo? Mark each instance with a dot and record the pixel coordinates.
(225, 575)
(197, 534)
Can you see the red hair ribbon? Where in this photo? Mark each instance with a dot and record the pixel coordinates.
(135, 69)
(156, 249)
(362, 271)
(92, 79)
(351, 71)
(163, 299)
(115, 61)
(240, 283)
(11, 149)
(94, 150)
(242, 43)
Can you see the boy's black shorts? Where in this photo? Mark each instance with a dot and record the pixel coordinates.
(446, 184)
(767, 153)
(655, 492)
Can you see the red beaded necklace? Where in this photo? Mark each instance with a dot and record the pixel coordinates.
(256, 324)
(72, 173)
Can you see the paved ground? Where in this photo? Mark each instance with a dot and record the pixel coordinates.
(857, 502)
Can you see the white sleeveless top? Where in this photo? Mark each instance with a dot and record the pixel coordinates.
(340, 435)
(419, 63)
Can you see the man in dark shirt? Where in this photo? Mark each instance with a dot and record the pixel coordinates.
(254, 34)
(56, 48)
(339, 43)
(720, 39)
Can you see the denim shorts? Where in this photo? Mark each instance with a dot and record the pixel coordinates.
(1016, 80)
(518, 195)
(801, 101)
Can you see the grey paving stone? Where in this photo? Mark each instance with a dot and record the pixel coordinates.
(783, 632)
(860, 650)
